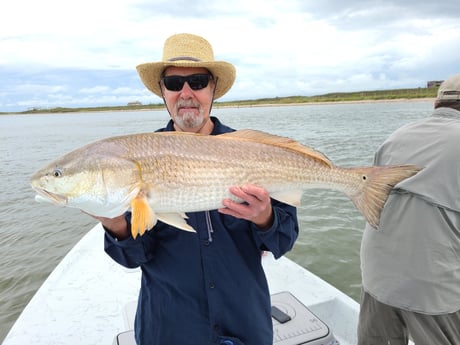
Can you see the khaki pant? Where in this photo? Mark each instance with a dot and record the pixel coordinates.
(381, 324)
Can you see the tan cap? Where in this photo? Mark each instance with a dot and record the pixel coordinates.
(450, 89)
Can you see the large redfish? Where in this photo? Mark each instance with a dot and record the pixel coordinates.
(163, 175)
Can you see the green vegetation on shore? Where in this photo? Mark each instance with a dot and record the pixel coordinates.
(380, 95)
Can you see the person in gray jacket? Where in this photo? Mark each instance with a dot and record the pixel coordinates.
(411, 264)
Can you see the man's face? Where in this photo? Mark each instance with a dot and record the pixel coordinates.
(189, 109)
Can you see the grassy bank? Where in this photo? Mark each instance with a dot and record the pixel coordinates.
(330, 97)
(342, 97)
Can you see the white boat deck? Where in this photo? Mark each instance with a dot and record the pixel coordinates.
(85, 299)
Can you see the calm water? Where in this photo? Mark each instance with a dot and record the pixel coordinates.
(34, 237)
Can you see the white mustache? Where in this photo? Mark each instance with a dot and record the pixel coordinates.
(187, 103)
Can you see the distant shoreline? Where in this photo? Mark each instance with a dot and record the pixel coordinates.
(359, 97)
(161, 107)
(427, 99)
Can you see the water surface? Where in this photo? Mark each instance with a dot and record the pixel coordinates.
(35, 237)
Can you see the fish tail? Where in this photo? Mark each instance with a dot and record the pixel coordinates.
(142, 216)
(380, 180)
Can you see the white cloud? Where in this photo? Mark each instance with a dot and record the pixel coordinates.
(58, 51)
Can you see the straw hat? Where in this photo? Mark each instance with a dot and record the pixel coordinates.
(187, 50)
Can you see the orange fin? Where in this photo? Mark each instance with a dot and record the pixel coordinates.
(142, 217)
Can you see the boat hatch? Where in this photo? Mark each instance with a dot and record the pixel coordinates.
(295, 324)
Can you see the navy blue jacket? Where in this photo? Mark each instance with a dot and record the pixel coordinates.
(207, 287)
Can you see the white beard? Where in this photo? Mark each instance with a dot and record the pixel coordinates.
(188, 119)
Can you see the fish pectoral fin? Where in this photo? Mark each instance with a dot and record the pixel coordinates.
(291, 197)
(176, 219)
(142, 217)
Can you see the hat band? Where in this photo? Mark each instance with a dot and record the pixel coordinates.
(188, 58)
(450, 96)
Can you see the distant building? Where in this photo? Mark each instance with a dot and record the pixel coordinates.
(433, 83)
(134, 103)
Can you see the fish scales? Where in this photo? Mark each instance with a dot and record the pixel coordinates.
(208, 167)
(164, 175)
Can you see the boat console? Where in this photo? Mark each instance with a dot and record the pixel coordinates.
(293, 324)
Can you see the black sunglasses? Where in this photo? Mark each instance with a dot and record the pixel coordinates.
(195, 81)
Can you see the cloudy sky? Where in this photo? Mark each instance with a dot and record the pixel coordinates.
(83, 53)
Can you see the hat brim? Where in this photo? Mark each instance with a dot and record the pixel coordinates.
(150, 74)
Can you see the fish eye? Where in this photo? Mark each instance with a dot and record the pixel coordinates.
(57, 172)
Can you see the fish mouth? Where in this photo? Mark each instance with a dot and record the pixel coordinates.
(44, 195)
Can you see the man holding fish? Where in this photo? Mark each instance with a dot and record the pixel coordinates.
(233, 193)
(206, 287)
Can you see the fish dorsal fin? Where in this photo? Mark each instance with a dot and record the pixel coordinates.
(276, 140)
